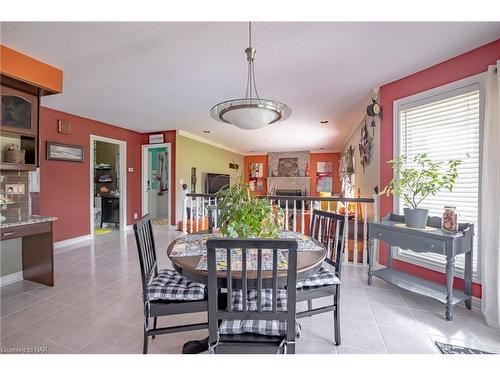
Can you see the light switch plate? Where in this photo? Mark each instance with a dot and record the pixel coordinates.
(130, 169)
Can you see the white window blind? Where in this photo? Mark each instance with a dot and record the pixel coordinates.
(447, 127)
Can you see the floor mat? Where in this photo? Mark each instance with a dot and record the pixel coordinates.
(455, 349)
(102, 230)
(160, 221)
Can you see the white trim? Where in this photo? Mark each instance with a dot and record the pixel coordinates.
(437, 93)
(123, 179)
(212, 143)
(73, 241)
(144, 179)
(128, 228)
(11, 278)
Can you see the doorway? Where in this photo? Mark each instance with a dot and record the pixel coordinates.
(156, 182)
(107, 185)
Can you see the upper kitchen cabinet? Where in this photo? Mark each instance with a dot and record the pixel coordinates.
(23, 80)
(19, 111)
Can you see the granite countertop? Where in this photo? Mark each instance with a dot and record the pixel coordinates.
(33, 219)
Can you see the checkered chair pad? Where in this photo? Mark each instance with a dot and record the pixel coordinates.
(169, 285)
(262, 327)
(322, 278)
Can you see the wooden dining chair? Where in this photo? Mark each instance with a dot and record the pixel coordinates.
(164, 292)
(258, 315)
(327, 228)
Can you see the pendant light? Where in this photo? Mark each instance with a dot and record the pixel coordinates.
(251, 112)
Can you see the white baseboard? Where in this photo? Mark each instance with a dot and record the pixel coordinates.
(128, 228)
(11, 278)
(72, 241)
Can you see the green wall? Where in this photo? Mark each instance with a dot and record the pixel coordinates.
(206, 159)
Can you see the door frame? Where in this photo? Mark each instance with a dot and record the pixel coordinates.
(144, 180)
(123, 179)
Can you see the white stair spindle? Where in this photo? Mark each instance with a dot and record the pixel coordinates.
(294, 215)
(302, 229)
(216, 214)
(355, 239)
(319, 229)
(203, 214)
(365, 230)
(346, 235)
(197, 216)
(191, 215)
(376, 217)
(286, 214)
(184, 212)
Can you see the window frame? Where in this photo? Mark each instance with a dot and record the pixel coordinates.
(475, 82)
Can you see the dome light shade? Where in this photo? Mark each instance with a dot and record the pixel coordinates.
(251, 112)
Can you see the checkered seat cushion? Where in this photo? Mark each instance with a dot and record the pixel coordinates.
(322, 278)
(262, 327)
(169, 285)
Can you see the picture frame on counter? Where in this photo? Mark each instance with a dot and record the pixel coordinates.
(156, 138)
(65, 152)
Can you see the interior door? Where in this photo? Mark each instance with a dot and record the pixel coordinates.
(157, 184)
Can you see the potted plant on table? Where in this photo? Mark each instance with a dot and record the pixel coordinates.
(416, 180)
(242, 215)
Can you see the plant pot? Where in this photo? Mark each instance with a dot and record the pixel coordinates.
(416, 217)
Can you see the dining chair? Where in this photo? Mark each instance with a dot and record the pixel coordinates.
(258, 314)
(327, 228)
(164, 292)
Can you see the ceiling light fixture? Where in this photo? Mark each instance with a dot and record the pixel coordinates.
(323, 122)
(206, 131)
(252, 112)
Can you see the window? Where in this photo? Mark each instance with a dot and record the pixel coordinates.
(445, 124)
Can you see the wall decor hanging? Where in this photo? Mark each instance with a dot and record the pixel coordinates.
(346, 172)
(64, 152)
(156, 138)
(365, 147)
(288, 167)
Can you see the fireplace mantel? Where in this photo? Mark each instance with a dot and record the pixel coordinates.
(286, 183)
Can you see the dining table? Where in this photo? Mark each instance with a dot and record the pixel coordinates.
(188, 255)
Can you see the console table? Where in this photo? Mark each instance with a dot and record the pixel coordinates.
(432, 239)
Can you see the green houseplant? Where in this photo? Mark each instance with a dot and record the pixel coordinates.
(245, 216)
(416, 179)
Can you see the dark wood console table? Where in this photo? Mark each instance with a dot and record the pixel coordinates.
(37, 247)
(432, 240)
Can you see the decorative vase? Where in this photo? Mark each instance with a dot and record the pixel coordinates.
(416, 217)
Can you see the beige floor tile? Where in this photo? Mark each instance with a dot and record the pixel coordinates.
(17, 303)
(28, 315)
(54, 323)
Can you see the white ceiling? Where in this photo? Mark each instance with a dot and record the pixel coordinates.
(159, 76)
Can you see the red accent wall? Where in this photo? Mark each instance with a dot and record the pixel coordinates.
(169, 137)
(459, 67)
(256, 159)
(64, 186)
(331, 156)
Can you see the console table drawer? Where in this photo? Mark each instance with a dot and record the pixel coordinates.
(25, 230)
(409, 241)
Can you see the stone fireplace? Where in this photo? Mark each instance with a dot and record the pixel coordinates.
(277, 182)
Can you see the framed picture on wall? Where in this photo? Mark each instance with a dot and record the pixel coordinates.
(324, 176)
(64, 152)
(156, 138)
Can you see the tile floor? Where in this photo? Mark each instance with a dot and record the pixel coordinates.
(95, 307)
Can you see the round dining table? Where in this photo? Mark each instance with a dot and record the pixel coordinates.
(188, 255)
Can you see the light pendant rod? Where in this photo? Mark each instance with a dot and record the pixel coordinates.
(250, 51)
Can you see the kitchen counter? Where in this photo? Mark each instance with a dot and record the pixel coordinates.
(34, 219)
(37, 247)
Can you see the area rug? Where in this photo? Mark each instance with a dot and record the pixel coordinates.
(160, 221)
(455, 349)
(102, 230)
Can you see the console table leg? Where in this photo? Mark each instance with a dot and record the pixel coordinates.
(450, 261)
(371, 247)
(468, 279)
